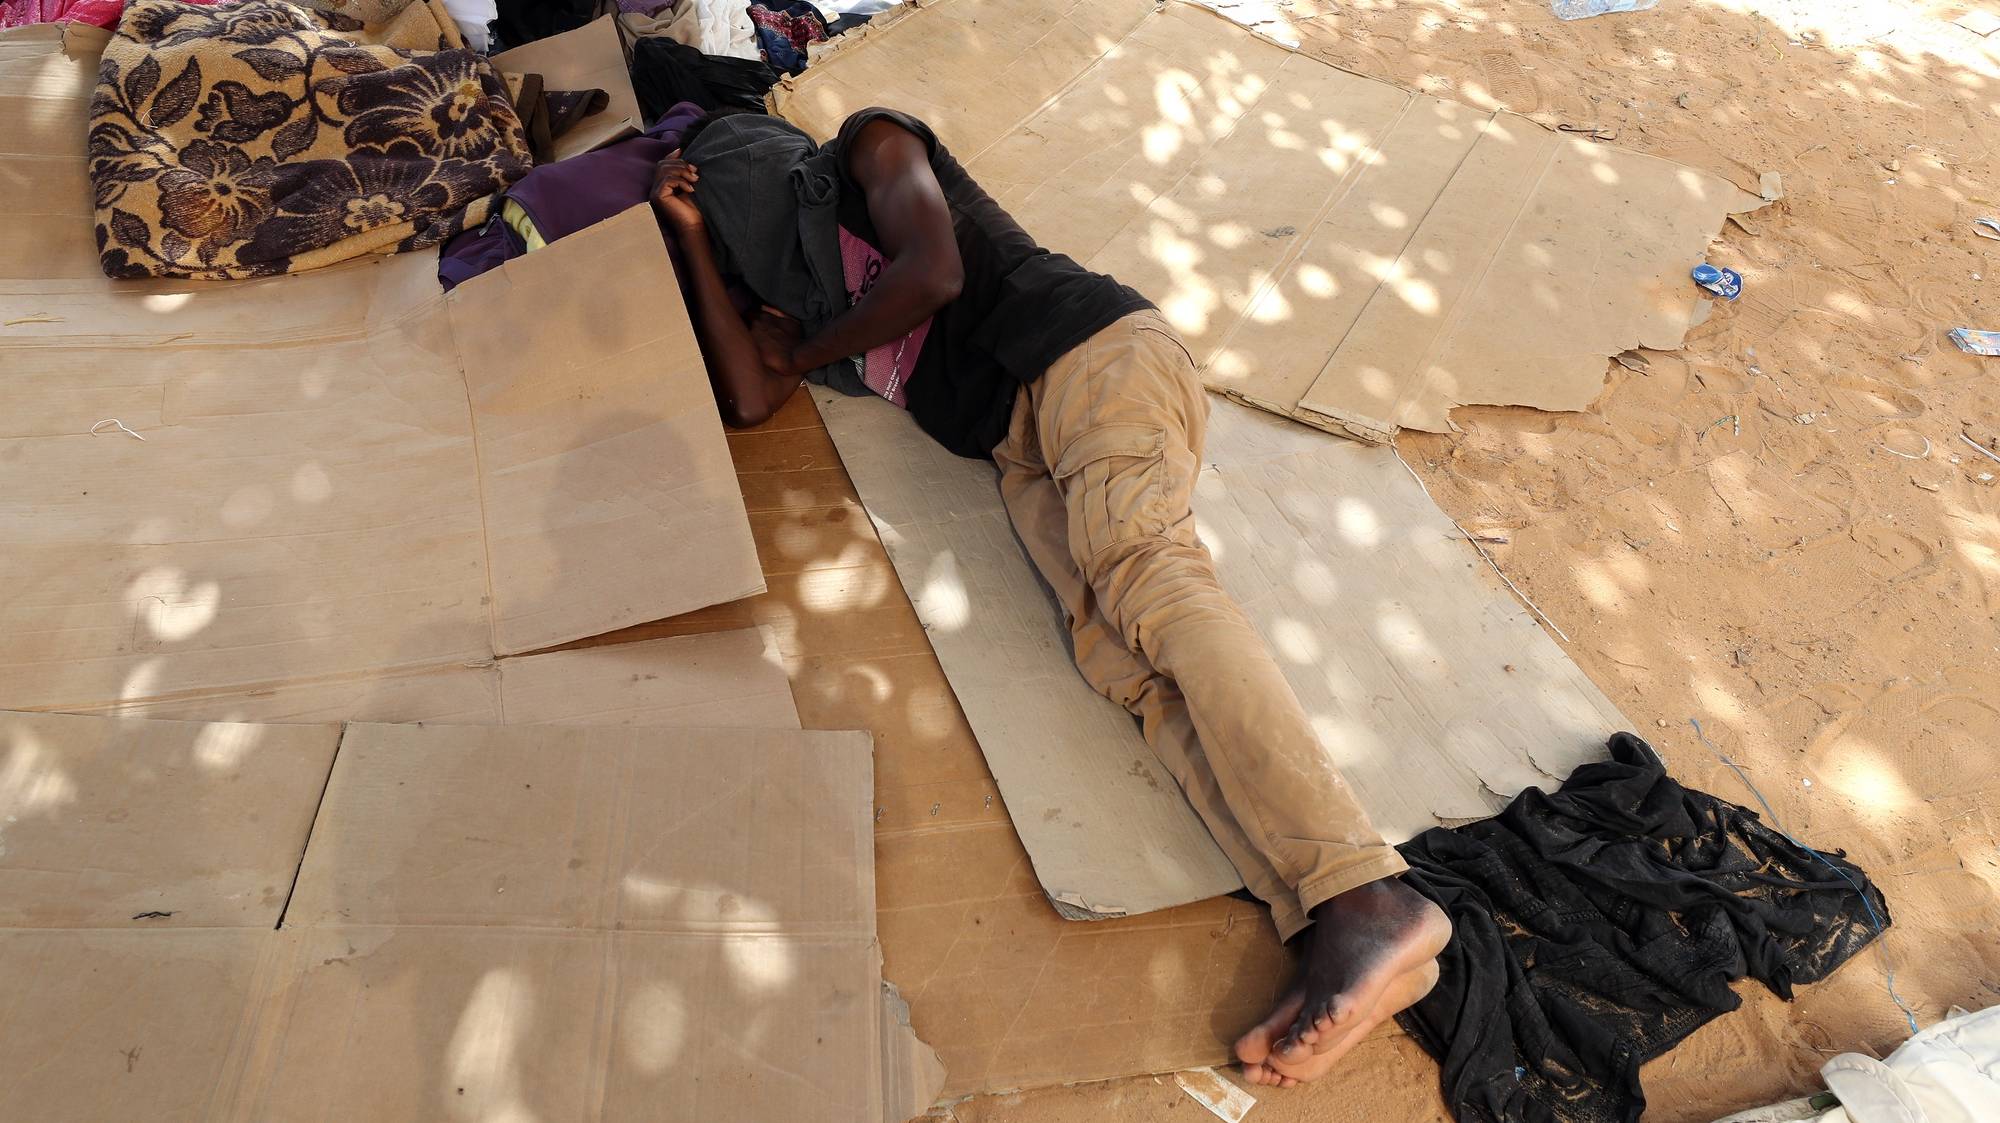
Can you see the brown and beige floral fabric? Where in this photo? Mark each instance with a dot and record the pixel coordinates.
(265, 137)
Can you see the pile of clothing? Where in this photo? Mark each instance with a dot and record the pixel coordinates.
(244, 138)
(262, 137)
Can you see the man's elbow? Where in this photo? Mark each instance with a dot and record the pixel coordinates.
(944, 285)
(739, 414)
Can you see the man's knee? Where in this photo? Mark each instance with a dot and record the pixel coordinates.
(1144, 582)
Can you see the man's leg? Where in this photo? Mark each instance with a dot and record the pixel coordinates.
(1114, 670)
(1120, 421)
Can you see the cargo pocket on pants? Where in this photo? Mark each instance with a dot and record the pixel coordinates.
(1111, 483)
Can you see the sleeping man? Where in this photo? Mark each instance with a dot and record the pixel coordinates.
(879, 266)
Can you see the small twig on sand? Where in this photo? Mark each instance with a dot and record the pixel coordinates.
(1532, 607)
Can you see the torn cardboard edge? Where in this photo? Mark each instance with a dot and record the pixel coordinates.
(912, 1075)
(1405, 324)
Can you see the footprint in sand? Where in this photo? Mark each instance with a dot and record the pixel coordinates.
(1510, 84)
(1873, 400)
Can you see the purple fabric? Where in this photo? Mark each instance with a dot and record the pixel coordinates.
(569, 195)
(472, 252)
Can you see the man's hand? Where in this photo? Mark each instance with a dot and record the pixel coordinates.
(777, 337)
(673, 192)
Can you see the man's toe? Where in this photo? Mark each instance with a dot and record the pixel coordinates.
(1255, 1046)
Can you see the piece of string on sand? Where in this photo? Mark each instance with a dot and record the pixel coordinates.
(1532, 607)
(117, 426)
(1874, 919)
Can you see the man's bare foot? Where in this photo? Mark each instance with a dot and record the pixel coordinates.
(1370, 953)
(1307, 1065)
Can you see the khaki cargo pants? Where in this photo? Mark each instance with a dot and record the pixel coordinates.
(1098, 472)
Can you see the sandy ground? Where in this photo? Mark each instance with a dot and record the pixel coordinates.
(1781, 530)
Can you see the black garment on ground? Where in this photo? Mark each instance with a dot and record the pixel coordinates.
(1596, 927)
(666, 72)
(1021, 309)
(524, 21)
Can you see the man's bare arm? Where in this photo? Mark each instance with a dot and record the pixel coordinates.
(914, 224)
(748, 389)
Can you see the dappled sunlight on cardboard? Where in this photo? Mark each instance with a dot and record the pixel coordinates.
(1293, 642)
(762, 964)
(163, 302)
(1403, 638)
(32, 782)
(1358, 522)
(170, 609)
(1314, 582)
(655, 1027)
(222, 747)
(482, 1078)
(942, 599)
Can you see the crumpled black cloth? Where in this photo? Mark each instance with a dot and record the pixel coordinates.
(770, 197)
(1596, 927)
(666, 73)
(524, 21)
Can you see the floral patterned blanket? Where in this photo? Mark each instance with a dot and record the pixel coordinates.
(264, 137)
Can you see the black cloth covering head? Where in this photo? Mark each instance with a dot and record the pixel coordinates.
(1596, 927)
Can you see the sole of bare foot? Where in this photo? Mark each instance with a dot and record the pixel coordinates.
(1309, 1065)
(1361, 943)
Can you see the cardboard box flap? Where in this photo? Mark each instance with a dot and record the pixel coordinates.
(119, 823)
(341, 475)
(510, 1023)
(591, 57)
(605, 480)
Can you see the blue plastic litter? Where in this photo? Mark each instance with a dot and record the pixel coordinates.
(1725, 283)
(1976, 341)
(1584, 9)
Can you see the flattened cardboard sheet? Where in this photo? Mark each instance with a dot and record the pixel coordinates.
(605, 909)
(629, 828)
(1335, 249)
(120, 823)
(690, 936)
(1429, 685)
(99, 1024)
(343, 474)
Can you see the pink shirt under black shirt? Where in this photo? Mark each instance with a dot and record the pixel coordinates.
(886, 369)
(1021, 307)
